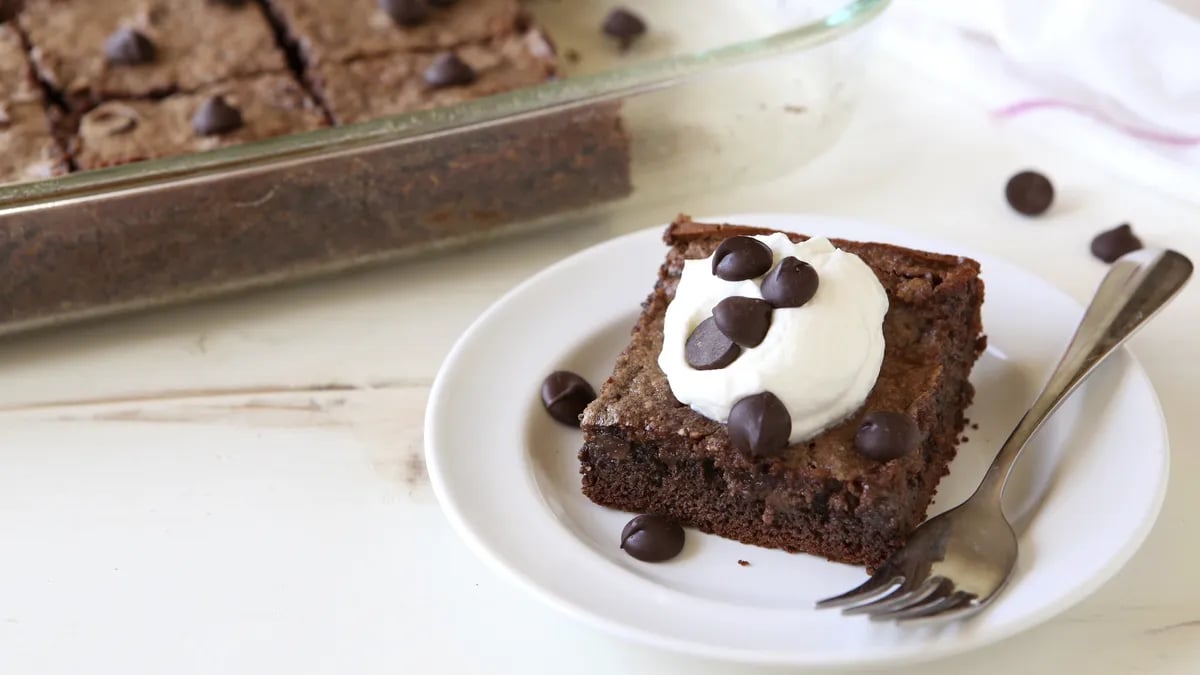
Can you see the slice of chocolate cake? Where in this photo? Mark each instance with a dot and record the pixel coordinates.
(850, 491)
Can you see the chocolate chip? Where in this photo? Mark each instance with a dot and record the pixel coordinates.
(624, 25)
(743, 320)
(447, 70)
(128, 47)
(652, 538)
(759, 425)
(1029, 192)
(406, 12)
(1114, 243)
(741, 258)
(792, 283)
(565, 395)
(215, 117)
(708, 348)
(886, 435)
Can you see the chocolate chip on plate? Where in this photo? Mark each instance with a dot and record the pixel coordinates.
(406, 12)
(886, 435)
(743, 320)
(128, 47)
(565, 395)
(652, 538)
(447, 70)
(792, 283)
(708, 348)
(741, 258)
(1112, 244)
(1029, 192)
(624, 25)
(215, 117)
(759, 425)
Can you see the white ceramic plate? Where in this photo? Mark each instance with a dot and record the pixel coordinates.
(1084, 497)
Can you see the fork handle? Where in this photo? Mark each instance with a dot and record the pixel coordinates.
(1135, 288)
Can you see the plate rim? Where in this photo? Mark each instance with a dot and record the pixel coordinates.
(465, 531)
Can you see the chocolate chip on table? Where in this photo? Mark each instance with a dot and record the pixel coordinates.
(1030, 193)
(406, 12)
(624, 25)
(792, 283)
(565, 395)
(128, 47)
(447, 70)
(708, 348)
(652, 538)
(741, 258)
(885, 435)
(1112, 244)
(759, 425)
(743, 320)
(215, 117)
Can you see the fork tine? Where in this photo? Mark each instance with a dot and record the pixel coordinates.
(957, 605)
(879, 583)
(936, 607)
(909, 592)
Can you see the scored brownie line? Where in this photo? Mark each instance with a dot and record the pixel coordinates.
(294, 56)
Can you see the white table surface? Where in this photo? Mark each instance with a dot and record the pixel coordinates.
(272, 514)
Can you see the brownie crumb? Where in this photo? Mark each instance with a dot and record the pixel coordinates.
(572, 55)
(795, 109)
(975, 426)
(744, 563)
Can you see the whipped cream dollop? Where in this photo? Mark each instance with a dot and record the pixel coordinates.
(821, 359)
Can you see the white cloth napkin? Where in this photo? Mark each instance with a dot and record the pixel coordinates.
(1117, 81)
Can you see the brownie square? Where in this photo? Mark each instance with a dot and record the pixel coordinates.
(122, 131)
(28, 149)
(196, 42)
(341, 30)
(388, 85)
(646, 452)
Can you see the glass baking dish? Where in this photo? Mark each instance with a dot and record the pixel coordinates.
(677, 114)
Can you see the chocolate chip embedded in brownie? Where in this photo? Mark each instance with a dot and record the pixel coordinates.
(388, 85)
(122, 131)
(646, 452)
(28, 150)
(341, 30)
(92, 50)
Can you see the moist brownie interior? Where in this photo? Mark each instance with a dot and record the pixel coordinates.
(646, 452)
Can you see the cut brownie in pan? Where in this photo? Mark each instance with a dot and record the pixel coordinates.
(342, 30)
(117, 132)
(163, 47)
(388, 85)
(28, 150)
(646, 452)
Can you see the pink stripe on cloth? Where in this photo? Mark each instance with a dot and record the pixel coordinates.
(1030, 105)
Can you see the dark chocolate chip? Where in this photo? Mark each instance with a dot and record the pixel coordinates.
(741, 258)
(1114, 243)
(759, 425)
(792, 283)
(624, 25)
(128, 47)
(1029, 192)
(743, 320)
(215, 117)
(406, 12)
(708, 348)
(886, 435)
(652, 538)
(447, 70)
(565, 395)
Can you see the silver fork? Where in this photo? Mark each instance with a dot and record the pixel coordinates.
(956, 563)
